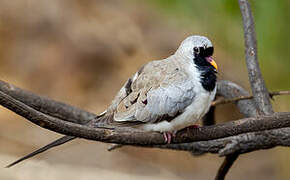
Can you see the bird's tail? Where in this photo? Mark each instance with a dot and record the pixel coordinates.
(101, 119)
(57, 142)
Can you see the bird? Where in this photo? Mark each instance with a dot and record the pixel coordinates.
(163, 95)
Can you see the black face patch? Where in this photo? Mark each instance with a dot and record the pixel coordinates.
(208, 72)
(204, 52)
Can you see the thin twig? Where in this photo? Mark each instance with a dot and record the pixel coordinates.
(225, 101)
(114, 147)
(275, 93)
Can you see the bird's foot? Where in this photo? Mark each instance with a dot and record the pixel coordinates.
(168, 136)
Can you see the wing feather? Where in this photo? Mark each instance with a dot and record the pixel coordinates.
(157, 93)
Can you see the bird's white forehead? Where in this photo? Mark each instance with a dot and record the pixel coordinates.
(196, 41)
(187, 45)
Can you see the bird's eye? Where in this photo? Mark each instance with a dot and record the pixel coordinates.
(196, 50)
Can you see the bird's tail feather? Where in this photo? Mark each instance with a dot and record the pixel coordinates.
(57, 142)
(101, 121)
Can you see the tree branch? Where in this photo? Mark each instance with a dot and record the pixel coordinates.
(258, 86)
(133, 137)
(225, 88)
(224, 139)
(230, 90)
(46, 105)
(32, 106)
(226, 165)
(259, 90)
(241, 143)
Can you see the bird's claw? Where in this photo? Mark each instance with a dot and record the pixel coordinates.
(168, 136)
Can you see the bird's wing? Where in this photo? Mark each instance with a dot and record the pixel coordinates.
(159, 91)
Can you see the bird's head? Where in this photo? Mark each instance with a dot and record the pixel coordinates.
(198, 48)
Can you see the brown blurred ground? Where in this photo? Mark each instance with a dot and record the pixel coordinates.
(81, 52)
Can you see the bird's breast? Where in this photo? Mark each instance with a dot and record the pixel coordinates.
(191, 114)
(195, 111)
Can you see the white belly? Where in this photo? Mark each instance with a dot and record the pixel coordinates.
(190, 116)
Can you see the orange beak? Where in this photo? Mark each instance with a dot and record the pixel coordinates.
(212, 62)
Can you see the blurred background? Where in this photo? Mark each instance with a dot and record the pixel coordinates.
(81, 52)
